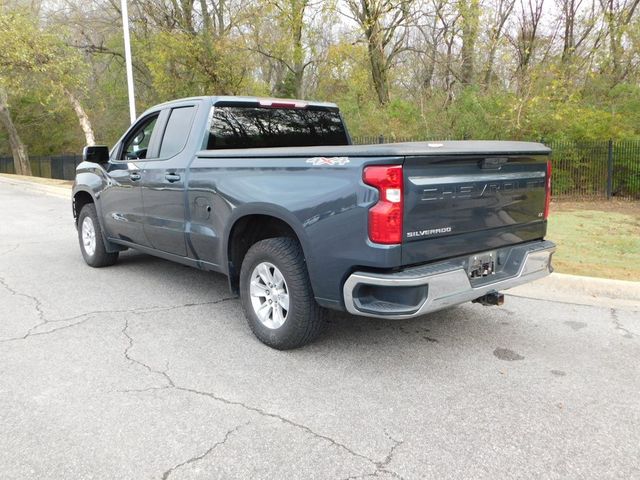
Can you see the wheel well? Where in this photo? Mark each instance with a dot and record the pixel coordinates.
(247, 231)
(80, 199)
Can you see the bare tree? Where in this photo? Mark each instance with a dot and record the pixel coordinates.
(217, 17)
(450, 29)
(577, 23)
(384, 24)
(496, 30)
(618, 15)
(470, 15)
(526, 36)
(428, 41)
(286, 47)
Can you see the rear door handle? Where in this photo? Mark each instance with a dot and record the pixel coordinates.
(134, 176)
(172, 177)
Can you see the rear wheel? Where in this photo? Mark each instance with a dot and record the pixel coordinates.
(276, 294)
(91, 241)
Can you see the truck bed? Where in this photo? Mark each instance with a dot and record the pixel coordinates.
(456, 201)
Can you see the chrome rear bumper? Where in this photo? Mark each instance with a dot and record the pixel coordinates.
(440, 285)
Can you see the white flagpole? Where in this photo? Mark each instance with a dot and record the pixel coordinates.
(127, 57)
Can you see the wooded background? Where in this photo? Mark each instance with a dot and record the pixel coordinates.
(561, 70)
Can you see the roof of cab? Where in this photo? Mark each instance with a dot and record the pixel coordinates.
(238, 99)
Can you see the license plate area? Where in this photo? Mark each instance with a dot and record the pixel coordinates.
(482, 265)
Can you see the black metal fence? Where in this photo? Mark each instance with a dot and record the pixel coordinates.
(596, 169)
(62, 167)
(581, 170)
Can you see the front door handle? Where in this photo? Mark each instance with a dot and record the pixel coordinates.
(172, 177)
(135, 176)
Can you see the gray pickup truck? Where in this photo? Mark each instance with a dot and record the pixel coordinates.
(272, 194)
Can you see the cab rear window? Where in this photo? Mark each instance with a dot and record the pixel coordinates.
(259, 127)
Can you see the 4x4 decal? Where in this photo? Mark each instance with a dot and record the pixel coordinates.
(320, 161)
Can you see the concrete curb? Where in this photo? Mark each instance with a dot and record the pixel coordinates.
(58, 188)
(600, 292)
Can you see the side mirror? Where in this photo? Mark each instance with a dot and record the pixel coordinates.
(96, 154)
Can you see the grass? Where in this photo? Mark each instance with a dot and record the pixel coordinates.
(598, 239)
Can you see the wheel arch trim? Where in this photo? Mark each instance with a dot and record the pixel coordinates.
(109, 246)
(269, 210)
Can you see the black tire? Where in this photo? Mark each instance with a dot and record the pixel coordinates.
(305, 319)
(100, 257)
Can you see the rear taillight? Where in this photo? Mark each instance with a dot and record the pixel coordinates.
(385, 217)
(547, 187)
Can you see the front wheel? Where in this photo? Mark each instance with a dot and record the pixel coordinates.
(92, 244)
(276, 294)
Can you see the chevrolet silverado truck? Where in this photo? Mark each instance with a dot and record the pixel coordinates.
(272, 194)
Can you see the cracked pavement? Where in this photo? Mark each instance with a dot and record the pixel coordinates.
(147, 369)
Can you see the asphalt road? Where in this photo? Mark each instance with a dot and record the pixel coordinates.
(148, 370)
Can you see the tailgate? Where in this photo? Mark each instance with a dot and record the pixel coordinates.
(465, 204)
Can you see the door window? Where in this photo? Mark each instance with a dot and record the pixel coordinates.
(177, 131)
(136, 145)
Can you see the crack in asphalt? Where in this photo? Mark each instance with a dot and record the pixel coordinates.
(162, 373)
(36, 300)
(618, 324)
(85, 317)
(380, 466)
(33, 298)
(197, 458)
(142, 390)
(12, 249)
(276, 416)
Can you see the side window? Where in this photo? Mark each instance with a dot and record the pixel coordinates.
(137, 144)
(177, 131)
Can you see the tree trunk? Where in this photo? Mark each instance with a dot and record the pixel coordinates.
(378, 62)
(297, 23)
(83, 119)
(504, 9)
(488, 72)
(568, 42)
(429, 60)
(379, 74)
(18, 149)
(470, 13)
(206, 18)
(187, 15)
(220, 16)
(427, 76)
(615, 48)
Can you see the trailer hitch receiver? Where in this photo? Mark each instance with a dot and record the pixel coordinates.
(491, 299)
